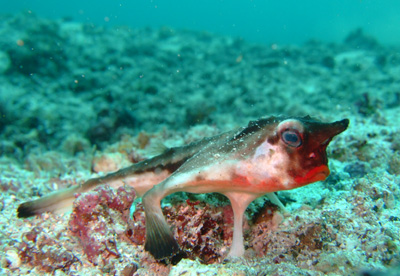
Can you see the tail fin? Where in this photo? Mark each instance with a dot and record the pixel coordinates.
(60, 201)
(160, 241)
(57, 202)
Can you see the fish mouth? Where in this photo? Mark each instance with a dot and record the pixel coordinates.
(319, 173)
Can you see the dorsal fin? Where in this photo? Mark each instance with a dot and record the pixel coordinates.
(157, 148)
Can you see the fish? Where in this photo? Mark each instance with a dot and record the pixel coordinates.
(268, 155)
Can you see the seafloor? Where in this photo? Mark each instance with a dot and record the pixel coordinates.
(78, 100)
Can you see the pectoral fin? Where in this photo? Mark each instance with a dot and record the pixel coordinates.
(160, 241)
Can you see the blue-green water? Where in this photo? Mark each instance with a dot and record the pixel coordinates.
(287, 21)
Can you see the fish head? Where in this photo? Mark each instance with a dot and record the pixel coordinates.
(303, 142)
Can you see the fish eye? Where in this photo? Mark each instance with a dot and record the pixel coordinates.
(291, 138)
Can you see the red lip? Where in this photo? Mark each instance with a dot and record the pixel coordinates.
(317, 174)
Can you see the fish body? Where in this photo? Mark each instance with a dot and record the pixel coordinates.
(268, 155)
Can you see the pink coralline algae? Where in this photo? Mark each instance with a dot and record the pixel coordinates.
(137, 229)
(201, 230)
(98, 218)
(39, 249)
